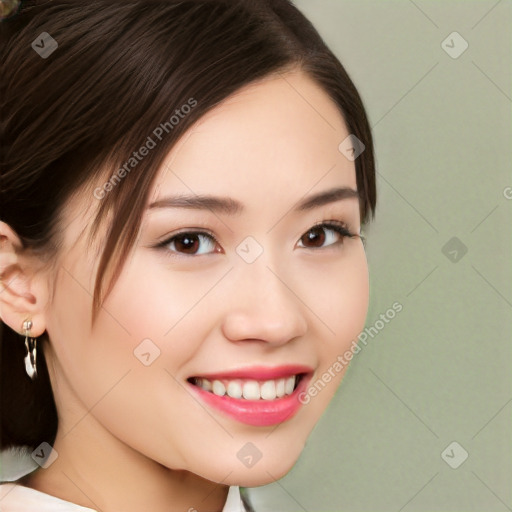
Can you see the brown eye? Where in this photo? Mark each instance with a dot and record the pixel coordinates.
(187, 243)
(190, 244)
(324, 235)
(315, 237)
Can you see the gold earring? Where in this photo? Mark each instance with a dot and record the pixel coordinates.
(31, 355)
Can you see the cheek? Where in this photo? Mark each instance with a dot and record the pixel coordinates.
(354, 297)
(123, 369)
(159, 307)
(340, 300)
(339, 296)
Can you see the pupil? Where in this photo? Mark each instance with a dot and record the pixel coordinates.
(316, 235)
(187, 243)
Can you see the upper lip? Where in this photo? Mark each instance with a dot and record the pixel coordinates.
(259, 372)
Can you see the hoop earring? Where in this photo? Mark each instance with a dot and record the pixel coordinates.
(31, 355)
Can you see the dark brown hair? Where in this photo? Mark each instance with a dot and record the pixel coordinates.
(118, 70)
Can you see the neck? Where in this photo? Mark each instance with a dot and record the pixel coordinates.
(95, 470)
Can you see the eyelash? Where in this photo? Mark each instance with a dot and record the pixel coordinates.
(338, 227)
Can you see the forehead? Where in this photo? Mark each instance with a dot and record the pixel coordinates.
(266, 146)
(280, 134)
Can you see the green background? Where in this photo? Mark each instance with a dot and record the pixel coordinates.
(441, 370)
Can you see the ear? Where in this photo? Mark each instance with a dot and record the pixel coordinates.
(23, 290)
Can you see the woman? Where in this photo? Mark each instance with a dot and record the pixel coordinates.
(183, 189)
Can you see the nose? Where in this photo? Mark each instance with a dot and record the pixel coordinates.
(263, 306)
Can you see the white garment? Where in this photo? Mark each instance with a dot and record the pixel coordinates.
(17, 498)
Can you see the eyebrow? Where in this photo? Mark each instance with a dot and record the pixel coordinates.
(230, 206)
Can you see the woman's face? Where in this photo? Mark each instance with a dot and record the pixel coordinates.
(258, 297)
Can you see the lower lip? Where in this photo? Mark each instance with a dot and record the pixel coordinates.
(259, 413)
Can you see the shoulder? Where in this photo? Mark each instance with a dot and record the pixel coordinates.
(18, 498)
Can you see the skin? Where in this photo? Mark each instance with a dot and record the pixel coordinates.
(131, 437)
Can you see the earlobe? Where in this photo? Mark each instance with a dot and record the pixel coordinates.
(19, 300)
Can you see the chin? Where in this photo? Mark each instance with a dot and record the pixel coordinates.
(262, 472)
(255, 477)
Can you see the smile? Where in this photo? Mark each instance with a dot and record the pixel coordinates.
(257, 396)
(250, 389)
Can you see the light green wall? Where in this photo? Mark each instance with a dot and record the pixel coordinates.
(441, 370)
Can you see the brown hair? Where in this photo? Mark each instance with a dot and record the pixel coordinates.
(112, 73)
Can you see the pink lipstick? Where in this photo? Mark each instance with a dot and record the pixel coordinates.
(258, 396)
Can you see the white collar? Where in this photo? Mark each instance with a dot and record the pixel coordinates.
(234, 500)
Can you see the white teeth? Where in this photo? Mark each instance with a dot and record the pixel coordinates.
(234, 389)
(249, 389)
(289, 385)
(205, 384)
(280, 388)
(268, 390)
(218, 388)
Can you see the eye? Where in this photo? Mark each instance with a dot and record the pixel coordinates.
(198, 243)
(190, 243)
(318, 238)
